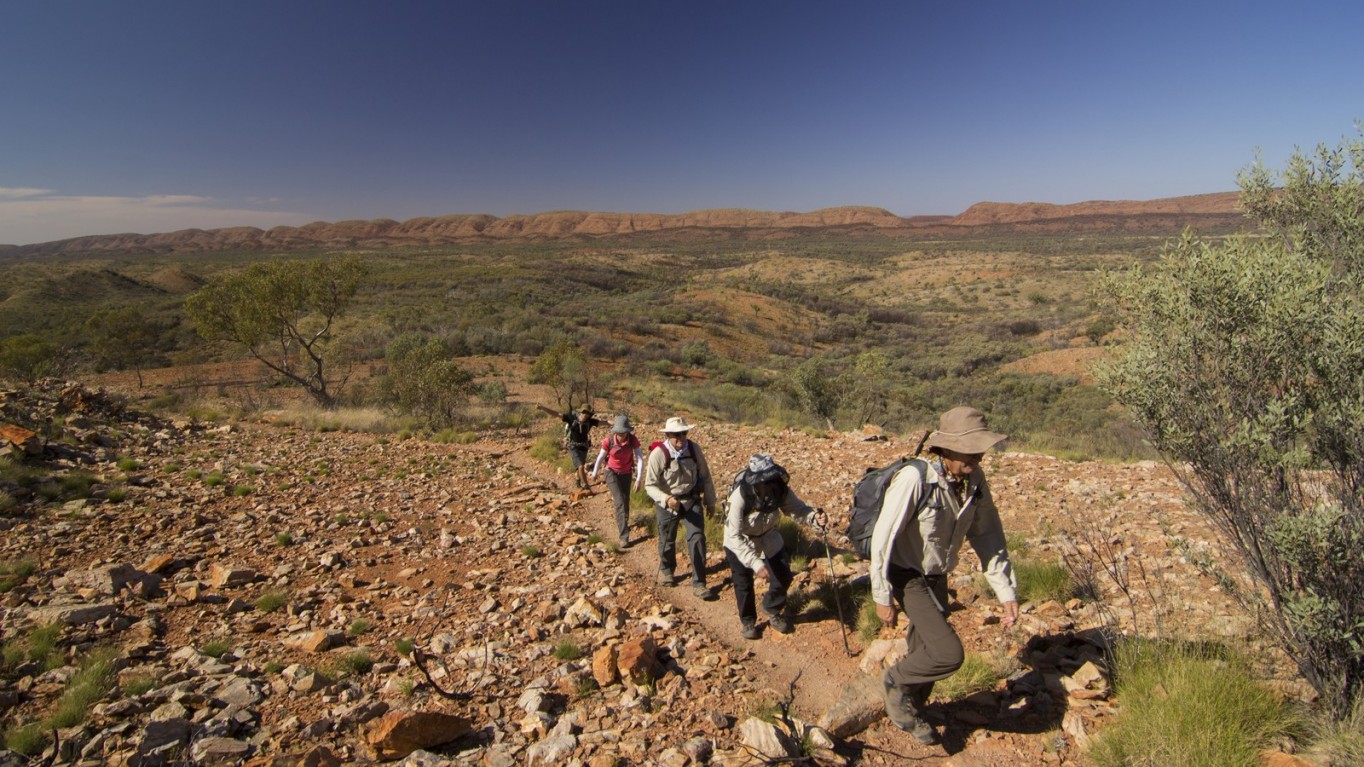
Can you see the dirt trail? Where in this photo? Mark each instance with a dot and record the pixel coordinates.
(813, 654)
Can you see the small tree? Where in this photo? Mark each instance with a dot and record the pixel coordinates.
(423, 380)
(566, 370)
(1245, 361)
(283, 314)
(31, 356)
(122, 339)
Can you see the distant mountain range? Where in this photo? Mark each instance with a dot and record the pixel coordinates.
(1207, 213)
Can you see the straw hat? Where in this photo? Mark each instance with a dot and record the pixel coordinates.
(676, 425)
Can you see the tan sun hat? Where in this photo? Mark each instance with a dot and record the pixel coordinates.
(676, 425)
(962, 430)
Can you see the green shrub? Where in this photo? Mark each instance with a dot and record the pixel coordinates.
(530, 552)
(355, 663)
(1182, 706)
(213, 478)
(360, 626)
(137, 685)
(868, 622)
(271, 601)
(242, 490)
(404, 646)
(1042, 581)
(975, 675)
(215, 649)
(567, 649)
(127, 464)
(14, 572)
(546, 448)
(284, 538)
(91, 682)
(28, 740)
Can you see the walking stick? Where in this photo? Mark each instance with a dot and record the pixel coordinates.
(833, 583)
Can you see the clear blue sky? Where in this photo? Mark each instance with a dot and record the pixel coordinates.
(139, 116)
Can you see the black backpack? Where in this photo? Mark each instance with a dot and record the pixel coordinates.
(868, 495)
(762, 490)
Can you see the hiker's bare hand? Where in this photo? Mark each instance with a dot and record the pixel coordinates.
(1010, 614)
(673, 504)
(761, 572)
(887, 614)
(821, 520)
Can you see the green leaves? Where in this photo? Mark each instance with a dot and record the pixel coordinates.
(1245, 361)
(282, 312)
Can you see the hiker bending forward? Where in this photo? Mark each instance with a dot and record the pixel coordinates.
(620, 450)
(924, 519)
(678, 480)
(753, 544)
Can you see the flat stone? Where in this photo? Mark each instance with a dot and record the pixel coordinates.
(219, 751)
(860, 706)
(72, 615)
(226, 576)
(399, 733)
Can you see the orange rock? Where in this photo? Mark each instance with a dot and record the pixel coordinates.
(638, 660)
(399, 733)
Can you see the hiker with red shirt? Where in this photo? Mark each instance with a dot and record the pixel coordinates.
(678, 479)
(622, 454)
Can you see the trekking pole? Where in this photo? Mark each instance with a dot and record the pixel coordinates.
(833, 583)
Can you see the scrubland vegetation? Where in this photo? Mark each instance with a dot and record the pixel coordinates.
(813, 332)
(1236, 357)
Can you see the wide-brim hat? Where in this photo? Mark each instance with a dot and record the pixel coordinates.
(585, 409)
(676, 425)
(622, 425)
(962, 430)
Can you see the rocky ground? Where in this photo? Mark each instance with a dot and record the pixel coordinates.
(258, 588)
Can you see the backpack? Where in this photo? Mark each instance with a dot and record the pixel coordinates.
(763, 484)
(868, 495)
(667, 454)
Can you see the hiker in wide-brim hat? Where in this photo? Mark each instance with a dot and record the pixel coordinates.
(679, 481)
(929, 509)
(624, 458)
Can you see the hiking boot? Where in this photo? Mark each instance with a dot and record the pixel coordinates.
(624, 544)
(904, 708)
(780, 624)
(702, 591)
(750, 631)
(664, 578)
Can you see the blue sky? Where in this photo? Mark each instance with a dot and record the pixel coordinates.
(138, 116)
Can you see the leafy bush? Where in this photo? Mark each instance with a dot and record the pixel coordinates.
(1246, 364)
(423, 380)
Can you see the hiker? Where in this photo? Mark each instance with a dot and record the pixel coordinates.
(623, 456)
(911, 557)
(577, 437)
(678, 480)
(753, 544)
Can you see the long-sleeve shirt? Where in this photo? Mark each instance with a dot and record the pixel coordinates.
(753, 535)
(933, 541)
(681, 476)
